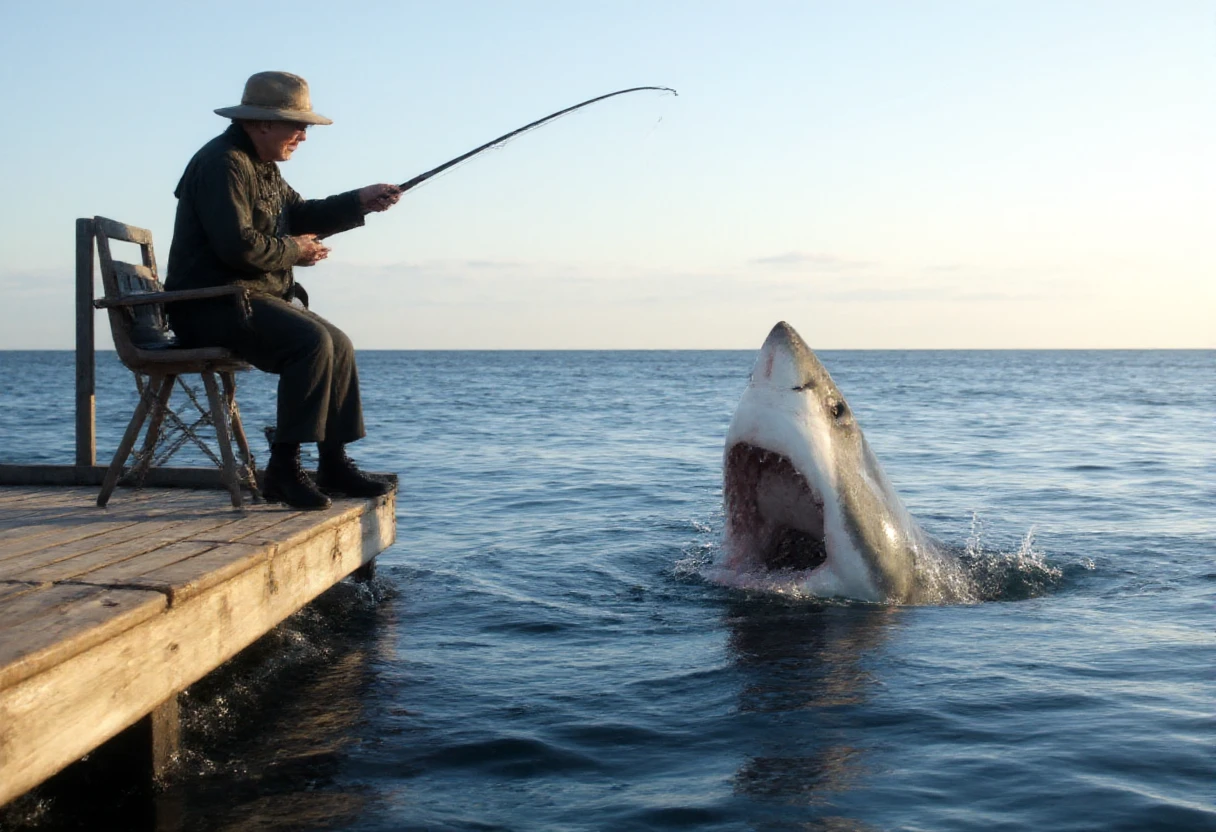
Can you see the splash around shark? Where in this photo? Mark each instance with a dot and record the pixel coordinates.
(805, 498)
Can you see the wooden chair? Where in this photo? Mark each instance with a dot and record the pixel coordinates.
(135, 301)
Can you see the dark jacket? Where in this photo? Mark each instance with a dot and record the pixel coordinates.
(235, 218)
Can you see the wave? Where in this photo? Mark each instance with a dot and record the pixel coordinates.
(983, 574)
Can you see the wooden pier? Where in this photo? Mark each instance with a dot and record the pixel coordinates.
(107, 614)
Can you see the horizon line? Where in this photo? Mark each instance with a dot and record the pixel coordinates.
(706, 349)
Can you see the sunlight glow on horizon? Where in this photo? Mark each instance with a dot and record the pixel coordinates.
(880, 175)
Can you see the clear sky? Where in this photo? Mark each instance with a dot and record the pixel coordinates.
(1030, 173)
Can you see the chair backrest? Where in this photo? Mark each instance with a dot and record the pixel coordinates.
(134, 328)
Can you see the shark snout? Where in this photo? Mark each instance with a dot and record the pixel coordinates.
(785, 360)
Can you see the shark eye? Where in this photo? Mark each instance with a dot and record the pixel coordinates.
(839, 409)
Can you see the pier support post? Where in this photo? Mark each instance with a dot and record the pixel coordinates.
(164, 732)
(86, 407)
(148, 750)
(366, 573)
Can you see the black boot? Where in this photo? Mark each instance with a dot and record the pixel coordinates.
(338, 475)
(286, 481)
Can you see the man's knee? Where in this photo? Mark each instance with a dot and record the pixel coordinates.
(311, 342)
(323, 344)
(288, 334)
(343, 348)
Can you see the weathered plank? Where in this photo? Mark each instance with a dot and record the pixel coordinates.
(28, 515)
(300, 526)
(42, 566)
(23, 532)
(70, 531)
(52, 624)
(14, 494)
(11, 589)
(76, 560)
(122, 231)
(353, 532)
(24, 515)
(86, 475)
(261, 522)
(81, 502)
(58, 475)
(136, 570)
(221, 601)
(189, 576)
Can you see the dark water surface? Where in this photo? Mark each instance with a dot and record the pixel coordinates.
(544, 648)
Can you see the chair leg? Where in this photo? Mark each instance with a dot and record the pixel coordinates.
(162, 388)
(219, 415)
(128, 442)
(238, 432)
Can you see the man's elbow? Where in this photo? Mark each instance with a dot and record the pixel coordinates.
(253, 255)
(242, 259)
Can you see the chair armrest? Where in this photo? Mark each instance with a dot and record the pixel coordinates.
(145, 298)
(239, 294)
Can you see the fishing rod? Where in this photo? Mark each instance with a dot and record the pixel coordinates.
(506, 137)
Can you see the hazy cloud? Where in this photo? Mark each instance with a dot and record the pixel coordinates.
(819, 260)
(566, 286)
(39, 282)
(494, 265)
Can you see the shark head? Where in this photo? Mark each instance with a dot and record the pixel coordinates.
(804, 494)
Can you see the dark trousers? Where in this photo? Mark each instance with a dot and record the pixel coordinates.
(315, 361)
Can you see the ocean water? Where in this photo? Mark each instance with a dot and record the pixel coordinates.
(546, 647)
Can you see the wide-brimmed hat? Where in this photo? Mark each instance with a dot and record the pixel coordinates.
(275, 96)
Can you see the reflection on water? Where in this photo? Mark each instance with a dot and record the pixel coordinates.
(288, 785)
(806, 676)
(305, 685)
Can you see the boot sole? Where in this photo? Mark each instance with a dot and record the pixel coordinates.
(335, 492)
(274, 497)
(383, 489)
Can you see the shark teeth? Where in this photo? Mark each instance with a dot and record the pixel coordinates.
(774, 516)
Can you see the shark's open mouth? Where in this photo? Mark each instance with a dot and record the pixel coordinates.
(774, 517)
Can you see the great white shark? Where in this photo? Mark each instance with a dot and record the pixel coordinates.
(805, 497)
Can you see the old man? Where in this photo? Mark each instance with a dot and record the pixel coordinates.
(239, 223)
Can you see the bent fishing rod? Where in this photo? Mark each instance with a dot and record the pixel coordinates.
(506, 137)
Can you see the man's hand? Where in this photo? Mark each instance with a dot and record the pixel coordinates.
(378, 197)
(311, 250)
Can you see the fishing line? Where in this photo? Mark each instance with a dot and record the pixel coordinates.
(506, 137)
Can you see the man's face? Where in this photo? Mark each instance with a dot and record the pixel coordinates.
(277, 140)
